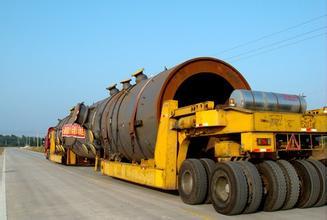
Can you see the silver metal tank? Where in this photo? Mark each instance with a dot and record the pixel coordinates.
(267, 101)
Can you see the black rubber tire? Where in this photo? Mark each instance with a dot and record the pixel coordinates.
(324, 162)
(292, 184)
(209, 166)
(64, 160)
(194, 171)
(321, 169)
(47, 154)
(255, 189)
(309, 181)
(274, 185)
(231, 200)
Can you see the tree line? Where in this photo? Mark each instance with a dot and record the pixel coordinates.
(20, 141)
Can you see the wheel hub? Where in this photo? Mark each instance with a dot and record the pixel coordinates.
(187, 182)
(222, 188)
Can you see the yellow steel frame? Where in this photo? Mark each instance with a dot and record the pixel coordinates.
(71, 158)
(177, 126)
(191, 109)
(238, 121)
(57, 157)
(249, 142)
(159, 172)
(53, 156)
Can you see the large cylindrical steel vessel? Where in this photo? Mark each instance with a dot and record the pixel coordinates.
(126, 123)
(131, 116)
(267, 101)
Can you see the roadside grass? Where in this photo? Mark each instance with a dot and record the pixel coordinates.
(35, 149)
(1, 150)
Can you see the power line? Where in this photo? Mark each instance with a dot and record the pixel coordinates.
(282, 46)
(276, 43)
(272, 34)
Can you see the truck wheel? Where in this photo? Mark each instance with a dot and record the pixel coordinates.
(324, 162)
(274, 184)
(47, 154)
(63, 160)
(309, 183)
(292, 184)
(209, 166)
(229, 191)
(192, 182)
(255, 188)
(321, 169)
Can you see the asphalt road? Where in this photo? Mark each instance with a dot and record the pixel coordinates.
(38, 189)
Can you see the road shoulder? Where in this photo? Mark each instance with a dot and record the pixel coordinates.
(3, 206)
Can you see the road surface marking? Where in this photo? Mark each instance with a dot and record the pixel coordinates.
(3, 205)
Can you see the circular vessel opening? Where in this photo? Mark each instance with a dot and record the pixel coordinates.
(203, 87)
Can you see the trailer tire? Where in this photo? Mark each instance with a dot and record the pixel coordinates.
(310, 183)
(321, 169)
(192, 182)
(64, 160)
(292, 184)
(229, 191)
(47, 154)
(209, 166)
(274, 185)
(324, 162)
(255, 189)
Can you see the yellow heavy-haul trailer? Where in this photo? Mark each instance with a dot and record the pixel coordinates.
(199, 128)
(234, 134)
(56, 151)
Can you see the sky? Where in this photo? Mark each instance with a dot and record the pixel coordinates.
(54, 54)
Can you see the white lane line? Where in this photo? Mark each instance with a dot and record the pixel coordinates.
(3, 205)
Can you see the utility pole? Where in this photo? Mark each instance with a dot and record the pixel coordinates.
(37, 139)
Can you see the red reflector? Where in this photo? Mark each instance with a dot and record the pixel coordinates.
(263, 141)
(256, 150)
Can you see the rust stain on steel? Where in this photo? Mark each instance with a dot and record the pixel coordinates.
(125, 125)
(195, 66)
